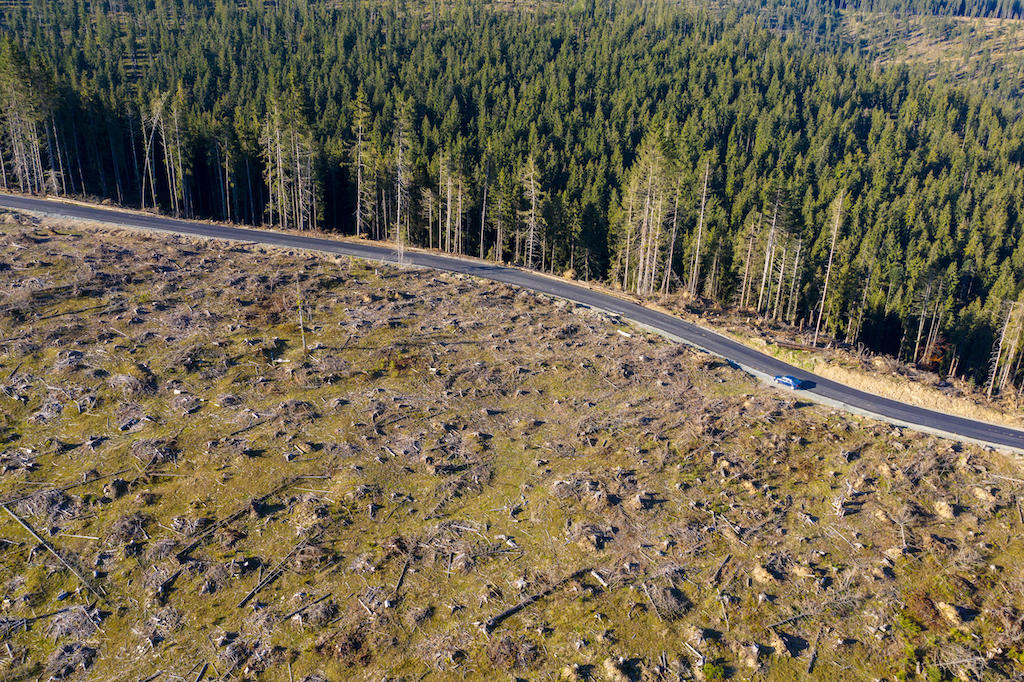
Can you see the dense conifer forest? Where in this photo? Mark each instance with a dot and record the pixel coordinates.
(724, 154)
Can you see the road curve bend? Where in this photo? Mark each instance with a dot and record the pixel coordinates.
(823, 390)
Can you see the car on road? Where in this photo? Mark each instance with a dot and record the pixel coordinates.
(789, 381)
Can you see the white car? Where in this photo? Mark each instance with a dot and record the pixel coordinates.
(789, 381)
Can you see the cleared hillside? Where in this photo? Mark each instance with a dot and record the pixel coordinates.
(983, 53)
(433, 477)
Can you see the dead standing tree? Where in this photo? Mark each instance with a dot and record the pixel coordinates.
(769, 253)
(486, 171)
(21, 111)
(672, 237)
(926, 301)
(828, 269)
(794, 286)
(172, 141)
(695, 270)
(403, 175)
(531, 216)
(427, 201)
(747, 261)
(151, 120)
(362, 162)
(1006, 355)
(287, 148)
(644, 202)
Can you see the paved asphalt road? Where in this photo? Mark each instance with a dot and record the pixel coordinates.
(748, 358)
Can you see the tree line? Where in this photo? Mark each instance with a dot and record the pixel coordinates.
(664, 149)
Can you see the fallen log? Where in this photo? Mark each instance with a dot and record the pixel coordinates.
(272, 574)
(492, 623)
(54, 552)
(198, 538)
(303, 608)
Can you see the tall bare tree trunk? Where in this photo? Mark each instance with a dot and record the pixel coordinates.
(297, 198)
(782, 277)
(180, 184)
(227, 184)
(3, 171)
(654, 248)
(147, 165)
(63, 143)
(483, 208)
(499, 240)
(933, 325)
(695, 270)
(459, 243)
(448, 213)
(282, 208)
(769, 253)
(645, 227)
(168, 163)
(828, 269)
(796, 276)
(672, 239)
(131, 144)
(997, 356)
(746, 263)
(629, 242)
(1010, 364)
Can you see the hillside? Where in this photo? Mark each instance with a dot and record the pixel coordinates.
(731, 152)
(433, 477)
(980, 53)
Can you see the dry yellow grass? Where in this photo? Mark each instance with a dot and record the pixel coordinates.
(907, 391)
(888, 384)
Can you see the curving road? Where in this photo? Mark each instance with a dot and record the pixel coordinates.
(823, 390)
